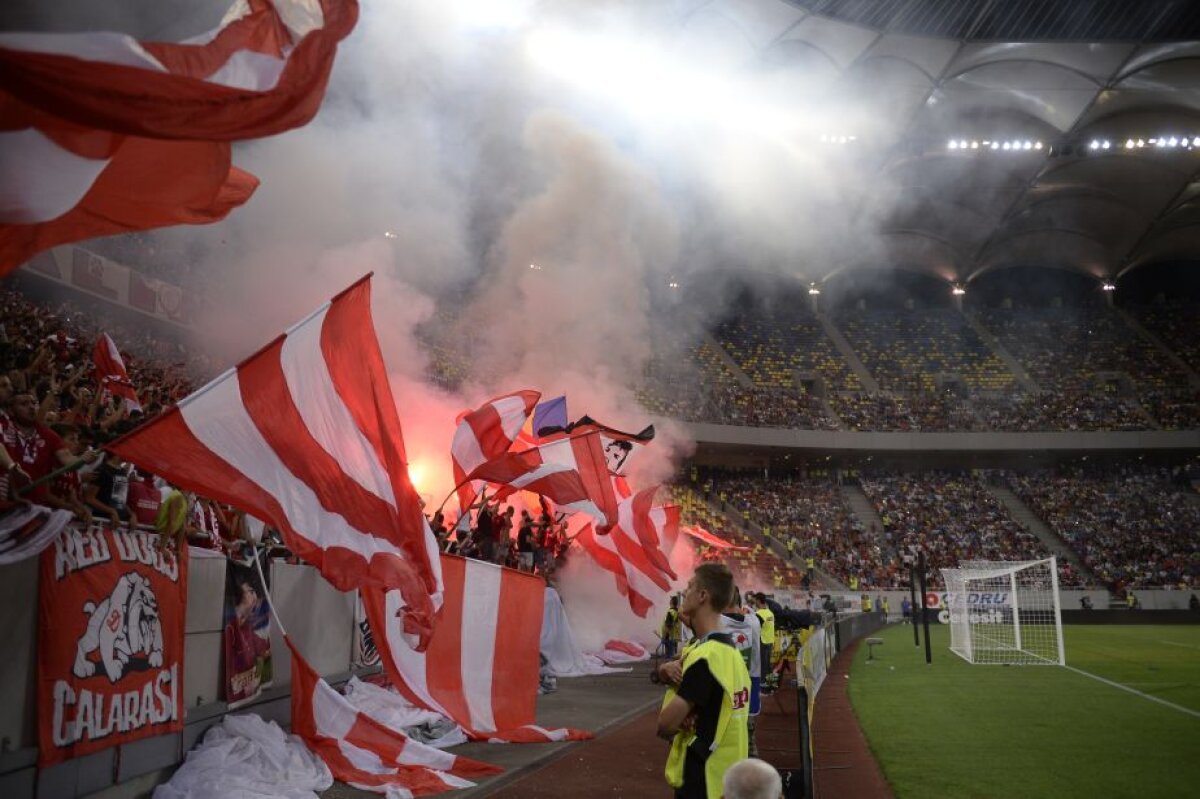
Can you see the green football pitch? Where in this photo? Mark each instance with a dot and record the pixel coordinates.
(959, 731)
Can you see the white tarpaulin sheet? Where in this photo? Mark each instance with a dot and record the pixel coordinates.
(392, 710)
(558, 645)
(248, 758)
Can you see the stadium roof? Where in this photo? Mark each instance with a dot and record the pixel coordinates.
(1058, 75)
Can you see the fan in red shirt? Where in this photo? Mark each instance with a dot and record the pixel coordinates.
(37, 449)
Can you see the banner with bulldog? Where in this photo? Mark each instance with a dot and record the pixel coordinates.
(111, 609)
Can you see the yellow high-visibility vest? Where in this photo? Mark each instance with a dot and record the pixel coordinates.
(732, 742)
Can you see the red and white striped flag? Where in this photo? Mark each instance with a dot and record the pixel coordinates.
(104, 134)
(705, 537)
(111, 374)
(650, 526)
(364, 753)
(481, 668)
(569, 471)
(304, 435)
(485, 433)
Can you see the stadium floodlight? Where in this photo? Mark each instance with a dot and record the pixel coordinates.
(812, 289)
(995, 145)
(958, 291)
(952, 144)
(1141, 142)
(1095, 145)
(1104, 145)
(1005, 612)
(974, 145)
(1129, 144)
(1196, 141)
(1161, 142)
(1106, 286)
(1028, 145)
(1007, 146)
(1037, 145)
(1172, 141)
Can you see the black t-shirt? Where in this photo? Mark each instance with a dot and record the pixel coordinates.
(113, 489)
(525, 539)
(701, 689)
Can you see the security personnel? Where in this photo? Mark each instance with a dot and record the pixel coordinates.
(854, 582)
(810, 563)
(670, 629)
(711, 686)
(866, 604)
(883, 605)
(768, 630)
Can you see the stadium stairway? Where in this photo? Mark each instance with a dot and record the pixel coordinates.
(1014, 366)
(867, 380)
(1025, 517)
(743, 379)
(1136, 327)
(862, 507)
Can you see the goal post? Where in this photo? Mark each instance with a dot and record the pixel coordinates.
(1005, 612)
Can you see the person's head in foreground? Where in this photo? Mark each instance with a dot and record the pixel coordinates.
(752, 779)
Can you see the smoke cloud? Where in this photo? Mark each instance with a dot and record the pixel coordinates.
(526, 181)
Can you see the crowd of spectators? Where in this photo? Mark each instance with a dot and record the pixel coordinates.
(936, 373)
(906, 350)
(951, 517)
(810, 516)
(1133, 526)
(772, 348)
(532, 542)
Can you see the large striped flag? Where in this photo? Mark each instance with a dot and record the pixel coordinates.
(485, 433)
(570, 471)
(103, 134)
(304, 435)
(481, 668)
(364, 753)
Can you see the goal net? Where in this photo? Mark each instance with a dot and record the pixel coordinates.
(1005, 612)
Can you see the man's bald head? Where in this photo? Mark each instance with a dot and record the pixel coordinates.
(752, 779)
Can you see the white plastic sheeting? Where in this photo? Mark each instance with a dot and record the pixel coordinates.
(558, 646)
(392, 710)
(248, 758)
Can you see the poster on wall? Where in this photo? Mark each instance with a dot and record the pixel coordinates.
(246, 635)
(364, 652)
(111, 607)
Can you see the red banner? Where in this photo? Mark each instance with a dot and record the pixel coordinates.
(110, 641)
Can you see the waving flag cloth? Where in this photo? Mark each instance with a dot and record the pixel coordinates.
(485, 433)
(304, 435)
(650, 526)
(705, 537)
(103, 134)
(481, 668)
(363, 752)
(635, 585)
(110, 372)
(570, 471)
(616, 444)
(549, 416)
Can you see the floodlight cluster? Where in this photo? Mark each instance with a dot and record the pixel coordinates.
(1165, 141)
(1004, 145)
(838, 139)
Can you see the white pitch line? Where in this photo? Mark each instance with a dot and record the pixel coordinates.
(1171, 705)
(1176, 643)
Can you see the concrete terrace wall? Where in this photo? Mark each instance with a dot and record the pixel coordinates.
(900, 443)
(319, 619)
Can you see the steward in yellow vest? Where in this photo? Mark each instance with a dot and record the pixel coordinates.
(709, 684)
(853, 583)
(767, 618)
(866, 604)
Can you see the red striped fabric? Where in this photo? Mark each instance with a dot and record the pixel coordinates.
(481, 668)
(485, 433)
(364, 753)
(111, 374)
(609, 560)
(298, 439)
(634, 552)
(103, 134)
(569, 471)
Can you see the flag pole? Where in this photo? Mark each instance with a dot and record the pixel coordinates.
(267, 594)
(79, 463)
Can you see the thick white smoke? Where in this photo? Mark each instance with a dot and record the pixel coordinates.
(527, 178)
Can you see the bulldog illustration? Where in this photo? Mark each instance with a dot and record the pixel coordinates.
(121, 626)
